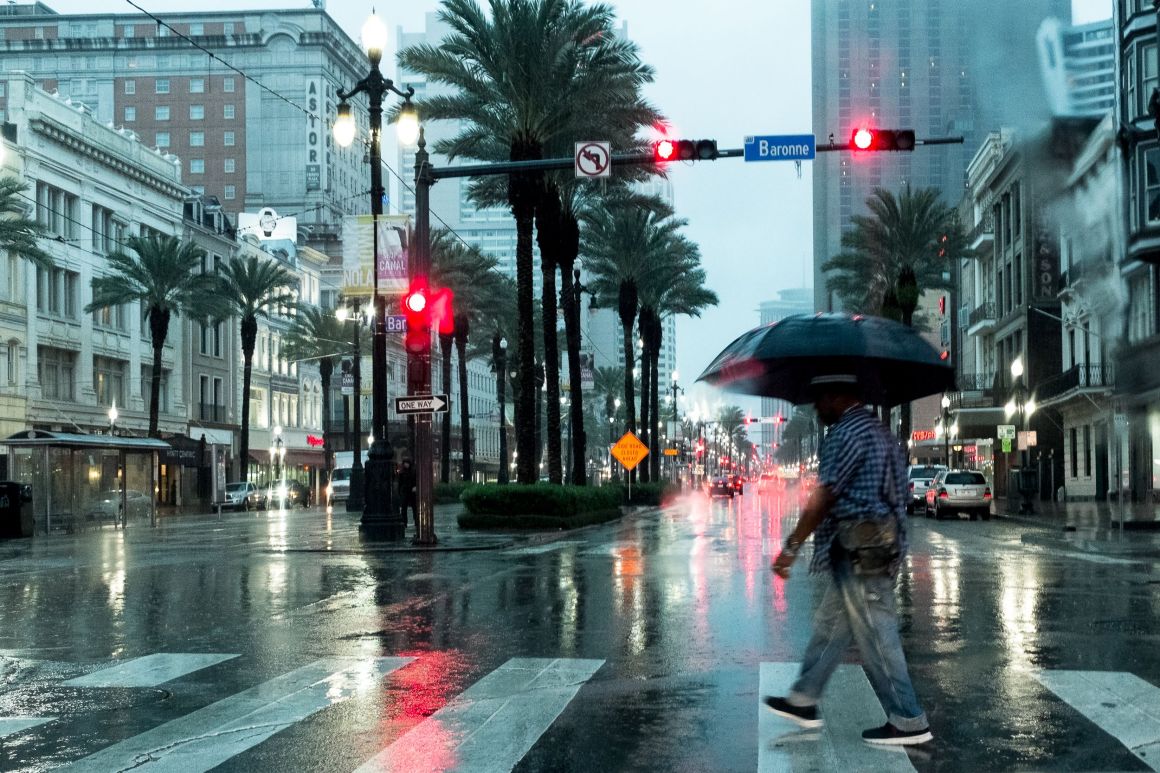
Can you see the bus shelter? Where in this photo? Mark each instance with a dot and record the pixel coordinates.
(83, 480)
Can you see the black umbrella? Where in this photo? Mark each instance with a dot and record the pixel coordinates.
(893, 363)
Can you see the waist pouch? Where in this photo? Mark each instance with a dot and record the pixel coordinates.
(871, 545)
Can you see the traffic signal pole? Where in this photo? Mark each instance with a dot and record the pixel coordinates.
(419, 364)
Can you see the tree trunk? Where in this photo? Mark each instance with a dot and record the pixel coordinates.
(547, 235)
(655, 334)
(626, 307)
(646, 423)
(907, 294)
(325, 371)
(462, 331)
(445, 438)
(249, 337)
(523, 190)
(570, 237)
(158, 329)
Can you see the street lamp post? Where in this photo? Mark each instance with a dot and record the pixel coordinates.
(1023, 406)
(277, 454)
(113, 418)
(675, 388)
(378, 513)
(356, 499)
(946, 429)
(499, 346)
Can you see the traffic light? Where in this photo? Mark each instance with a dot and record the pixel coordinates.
(868, 139)
(942, 246)
(685, 150)
(944, 355)
(426, 308)
(942, 305)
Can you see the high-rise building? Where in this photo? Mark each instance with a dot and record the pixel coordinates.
(1079, 67)
(940, 67)
(253, 142)
(799, 300)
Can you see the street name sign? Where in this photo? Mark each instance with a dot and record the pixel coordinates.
(783, 147)
(629, 451)
(407, 406)
(1006, 431)
(396, 323)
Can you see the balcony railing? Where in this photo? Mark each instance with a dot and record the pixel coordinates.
(975, 382)
(1080, 376)
(984, 229)
(211, 412)
(983, 312)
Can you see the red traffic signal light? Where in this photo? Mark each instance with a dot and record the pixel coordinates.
(664, 150)
(416, 300)
(685, 150)
(425, 308)
(865, 138)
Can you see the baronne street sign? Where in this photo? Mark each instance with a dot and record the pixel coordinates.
(783, 147)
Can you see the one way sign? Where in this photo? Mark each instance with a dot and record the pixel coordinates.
(406, 406)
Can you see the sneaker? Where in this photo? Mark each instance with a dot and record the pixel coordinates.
(889, 735)
(805, 716)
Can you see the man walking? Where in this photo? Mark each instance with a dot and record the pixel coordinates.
(407, 498)
(858, 512)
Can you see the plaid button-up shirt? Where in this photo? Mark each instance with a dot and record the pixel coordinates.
(863, 466)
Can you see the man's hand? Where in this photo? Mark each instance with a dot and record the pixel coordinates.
(782, 564)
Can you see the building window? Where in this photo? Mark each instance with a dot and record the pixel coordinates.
(196, 30)
(1152, 185)
(197, 85)
(230, 192)
(56, 370)
(56, 292)
(228, 29)
(196, 112)
(228, 112)
(109, 380)
(130, 87)
(228, 83)
(228, 139)
(1148, 79)
(1073, 436)
(162, 139)
(197, 166)
(111, 317)
(147, 388)
(162, 86)
(130, 114)
(56, 210)
(107, 231)
(1087, 450)
(10, 365)
(230, 165)
(1139, 308)
(197, 139)
(161, 113)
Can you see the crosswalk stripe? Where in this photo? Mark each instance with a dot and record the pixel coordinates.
(849, 707)
(12, 725)
(533, 550)
(1119, 703)
(150, 670)
(208, 737)
(491, 725)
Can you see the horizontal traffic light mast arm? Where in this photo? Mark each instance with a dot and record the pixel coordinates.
(619, 159)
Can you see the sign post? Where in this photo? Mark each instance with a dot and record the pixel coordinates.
(630, 452)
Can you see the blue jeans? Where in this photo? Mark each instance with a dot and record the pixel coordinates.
(860, 608)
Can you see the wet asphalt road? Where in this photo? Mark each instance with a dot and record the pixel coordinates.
(663, 622)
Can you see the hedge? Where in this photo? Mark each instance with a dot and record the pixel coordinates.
(648, 494)
(447, 493)
(540, 500)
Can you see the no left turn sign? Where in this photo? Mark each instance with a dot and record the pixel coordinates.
(593, 159)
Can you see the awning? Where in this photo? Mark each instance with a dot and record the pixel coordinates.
(185, 452)
(303, 457)
(40, 437)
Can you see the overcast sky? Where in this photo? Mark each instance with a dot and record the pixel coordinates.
(724, 70)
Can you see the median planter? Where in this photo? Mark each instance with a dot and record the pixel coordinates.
(449, 493)
(538, 507)
(648, 494)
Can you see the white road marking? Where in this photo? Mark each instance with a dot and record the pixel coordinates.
(12, 725)
(848, 707)
(150, 670)
(208, 737)
(1121, 704)
(491, 725)
(545, 548)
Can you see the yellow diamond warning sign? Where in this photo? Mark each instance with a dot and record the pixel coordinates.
(629, 451)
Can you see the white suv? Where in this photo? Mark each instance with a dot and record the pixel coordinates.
(959, 490)
(338, 490)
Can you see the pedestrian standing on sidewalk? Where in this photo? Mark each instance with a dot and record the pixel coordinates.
(407, 495)
(857, 515)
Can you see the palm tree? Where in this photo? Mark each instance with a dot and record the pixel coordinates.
(317, 335)
(18, 233)
(164, 275)
(253, 288)
(521, 98)
(622, 243)
(907, 245)
(471, 276)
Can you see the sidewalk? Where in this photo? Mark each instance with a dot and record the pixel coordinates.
(1092, 526)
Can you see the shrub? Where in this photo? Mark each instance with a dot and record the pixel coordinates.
(542, 500)
(647, 494)
(446, 493)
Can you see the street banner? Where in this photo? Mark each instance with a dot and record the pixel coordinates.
(357, 264)
(587, 371)
(348, 384)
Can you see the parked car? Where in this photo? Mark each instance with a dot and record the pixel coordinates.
(955, 491)
(287, 493)
(107, 505)
(920, 477)
(245, 496)
(721, 487)
(338, 490)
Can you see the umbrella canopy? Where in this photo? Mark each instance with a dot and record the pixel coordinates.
(893, 363)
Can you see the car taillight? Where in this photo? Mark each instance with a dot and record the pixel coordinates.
(942, 494)
(987, 493)
(912, 485)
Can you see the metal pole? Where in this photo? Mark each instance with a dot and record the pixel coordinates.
(419, 364)
(357, 495)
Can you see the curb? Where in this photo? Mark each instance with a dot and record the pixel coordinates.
(400, 549)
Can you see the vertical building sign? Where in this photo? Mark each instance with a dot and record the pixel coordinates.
(315, 142)
(1046, 267)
